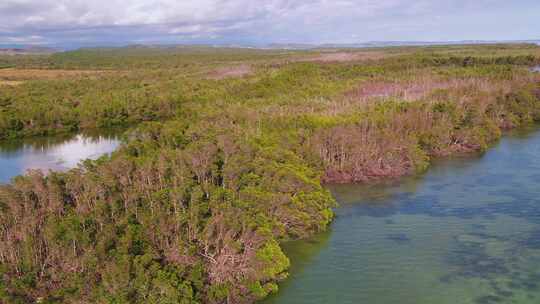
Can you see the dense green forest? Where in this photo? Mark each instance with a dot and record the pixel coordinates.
(226, 157)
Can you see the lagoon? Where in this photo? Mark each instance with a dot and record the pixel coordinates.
(467, 231)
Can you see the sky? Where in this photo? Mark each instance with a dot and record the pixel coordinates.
(259, 22)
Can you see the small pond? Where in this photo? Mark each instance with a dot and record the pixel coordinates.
(59, 152)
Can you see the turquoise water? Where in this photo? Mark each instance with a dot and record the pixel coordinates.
(54, 152)
(466, 231)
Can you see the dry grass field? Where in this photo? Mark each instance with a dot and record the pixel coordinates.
(47, 74)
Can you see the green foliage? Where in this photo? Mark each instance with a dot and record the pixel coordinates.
(217, 172)
(271, 255)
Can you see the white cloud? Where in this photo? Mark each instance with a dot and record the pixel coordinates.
(186, 29)
(285, 20)
(18, 14)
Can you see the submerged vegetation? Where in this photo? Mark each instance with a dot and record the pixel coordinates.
(222, 166)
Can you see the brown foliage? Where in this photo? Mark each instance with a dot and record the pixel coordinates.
(231, 72)
(416, 89)
(48, 74)
(345, 56)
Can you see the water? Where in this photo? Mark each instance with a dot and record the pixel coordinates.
(466, 232)
(53, 153)
(536, 69)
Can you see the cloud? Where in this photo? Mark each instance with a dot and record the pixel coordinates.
(63, 21)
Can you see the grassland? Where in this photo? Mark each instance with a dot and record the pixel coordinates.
(227, 156)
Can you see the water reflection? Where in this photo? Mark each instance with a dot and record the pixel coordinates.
(467, 231)
(58, 153)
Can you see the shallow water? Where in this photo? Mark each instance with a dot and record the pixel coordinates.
(57, 153)
(466, 231)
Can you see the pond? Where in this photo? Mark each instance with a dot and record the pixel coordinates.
(467, 231)
(60, 152)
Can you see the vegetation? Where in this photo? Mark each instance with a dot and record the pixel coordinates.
(218, 171)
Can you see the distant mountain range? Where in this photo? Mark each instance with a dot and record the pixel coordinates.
(306, 46)
(26, 50)
(391, 43)
(32, 49)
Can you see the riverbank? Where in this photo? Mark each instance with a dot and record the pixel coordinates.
(397, 138)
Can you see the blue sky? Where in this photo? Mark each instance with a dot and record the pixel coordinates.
(102, 22)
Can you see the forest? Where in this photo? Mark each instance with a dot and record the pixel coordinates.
(226, 157)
